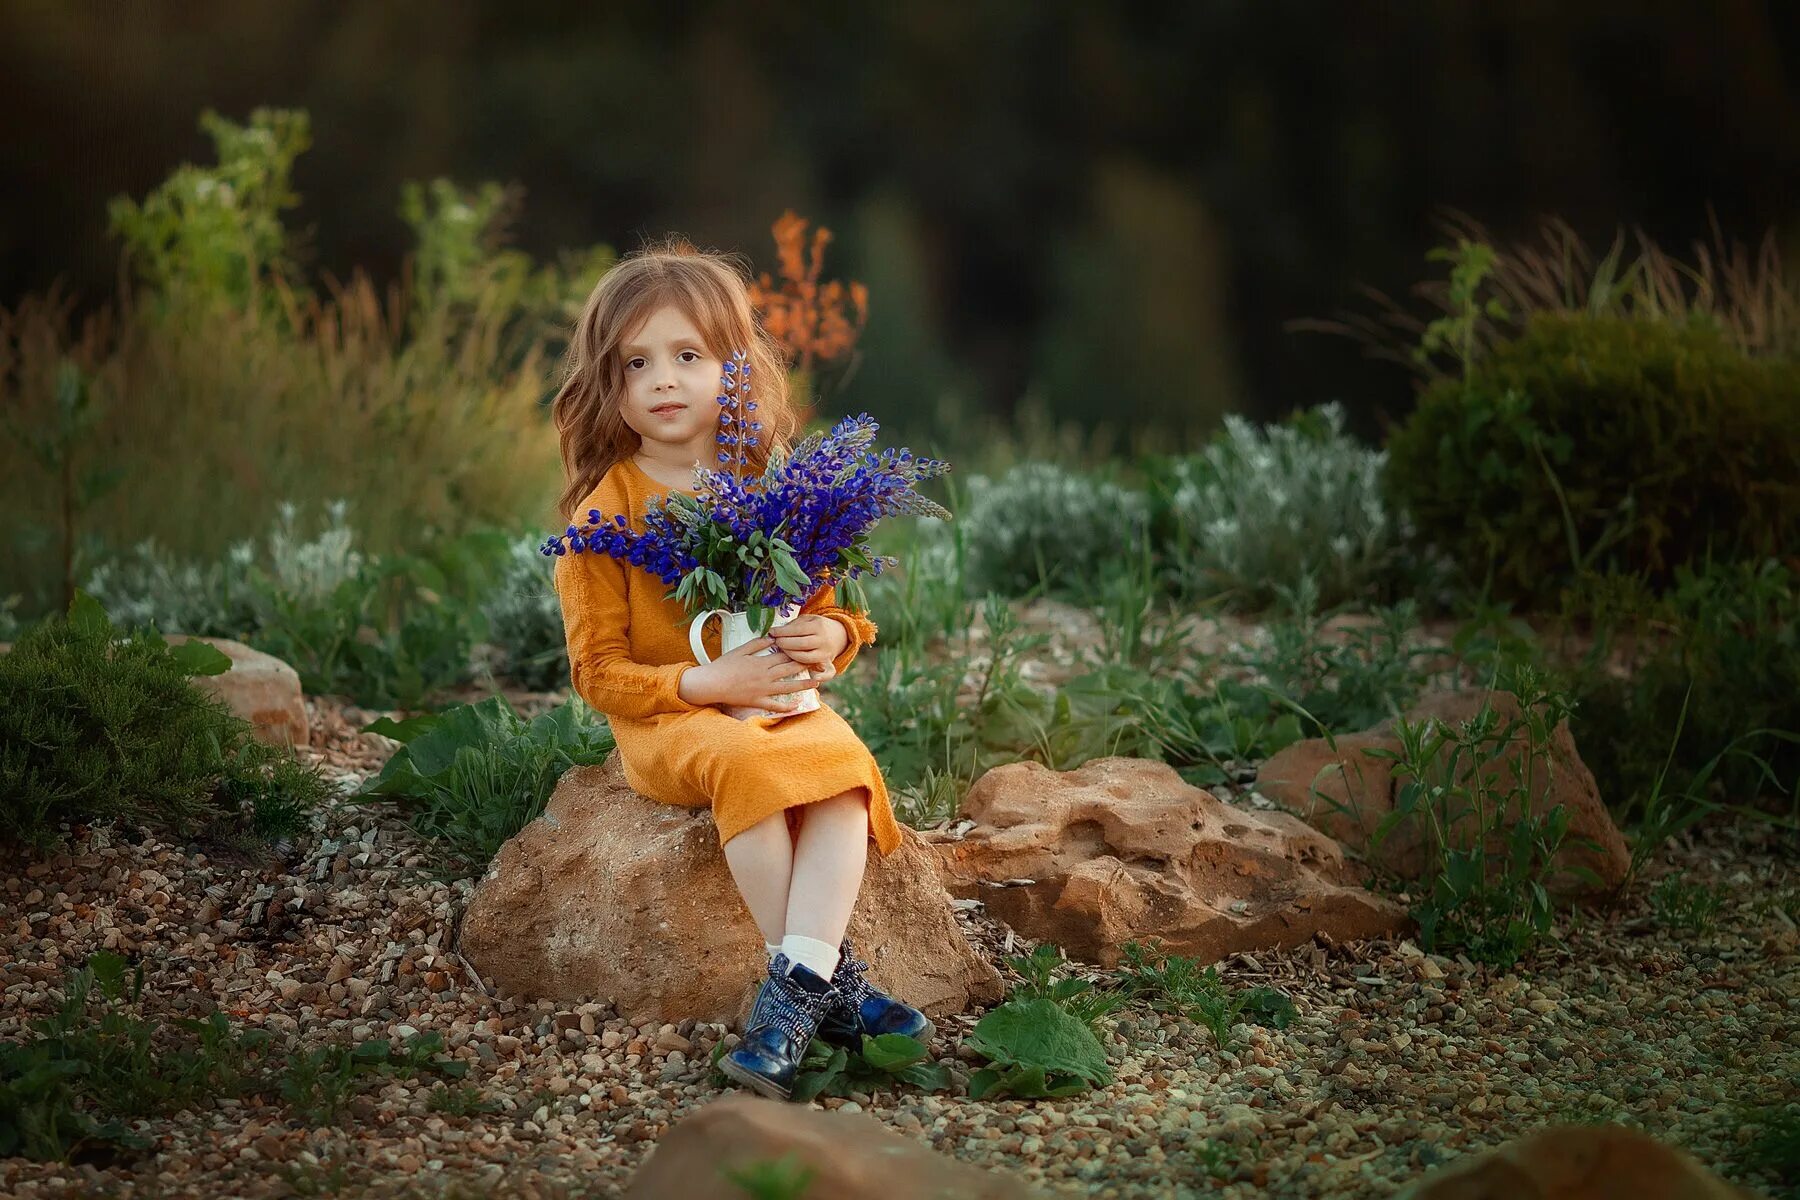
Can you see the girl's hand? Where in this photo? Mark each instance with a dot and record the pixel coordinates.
(812, 639)
(747, 679)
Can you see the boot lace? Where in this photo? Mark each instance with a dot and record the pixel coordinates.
(852, 988)
(792, 1009)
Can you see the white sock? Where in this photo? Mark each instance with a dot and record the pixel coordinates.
(819, 957)
(773, 948)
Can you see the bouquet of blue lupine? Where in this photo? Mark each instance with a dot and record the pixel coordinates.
(764, 545)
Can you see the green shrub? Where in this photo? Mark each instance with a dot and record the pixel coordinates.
(1282, 506)
(1707, 716)
(1040, 526)
(1603, 444)
(230, 598)
(98, 726)
(225, 371)
(475, 774)
(385, 630)
(524, 621)
(147, 586)
(391, 633)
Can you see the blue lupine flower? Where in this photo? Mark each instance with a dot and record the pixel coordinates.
(821, 502)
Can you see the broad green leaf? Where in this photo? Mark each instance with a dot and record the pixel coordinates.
(1041, 1033)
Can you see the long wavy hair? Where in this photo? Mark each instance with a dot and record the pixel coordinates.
(710, 290)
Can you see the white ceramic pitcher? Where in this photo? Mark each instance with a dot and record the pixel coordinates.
(734, 631)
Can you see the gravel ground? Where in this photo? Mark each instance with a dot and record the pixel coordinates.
(1398, 1060)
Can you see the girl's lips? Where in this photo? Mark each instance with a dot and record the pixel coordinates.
(665, 410)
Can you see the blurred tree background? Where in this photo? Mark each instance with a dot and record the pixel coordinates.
(1111, 211)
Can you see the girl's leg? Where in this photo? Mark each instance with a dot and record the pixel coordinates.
(761, 859)
(828, 863)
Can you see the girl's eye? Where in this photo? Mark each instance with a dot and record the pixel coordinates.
(695, 353)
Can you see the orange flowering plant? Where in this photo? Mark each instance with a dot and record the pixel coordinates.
(814, 322)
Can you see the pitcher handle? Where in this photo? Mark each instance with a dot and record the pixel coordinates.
(698, 627)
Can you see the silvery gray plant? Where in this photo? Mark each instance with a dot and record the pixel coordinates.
(147, 585)
(311, 570)
(1295, 507)
(525, 622)
(1041, 522)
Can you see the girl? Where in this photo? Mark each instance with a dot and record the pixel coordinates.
(796, 798)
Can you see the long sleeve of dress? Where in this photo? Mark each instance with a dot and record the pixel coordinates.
(860, 628)
(597, 621)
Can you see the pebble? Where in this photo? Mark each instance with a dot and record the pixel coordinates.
(1432, 1058)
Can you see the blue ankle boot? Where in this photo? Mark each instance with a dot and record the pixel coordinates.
(781, 1026)
(859, 1009)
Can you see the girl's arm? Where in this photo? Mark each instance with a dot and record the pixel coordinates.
(861, 630)
(596, 618)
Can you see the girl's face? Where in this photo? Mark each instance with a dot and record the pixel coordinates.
(671, 391)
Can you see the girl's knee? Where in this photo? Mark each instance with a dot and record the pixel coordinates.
(856, 800)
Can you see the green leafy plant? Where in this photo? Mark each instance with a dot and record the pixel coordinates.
(1077, 997)
(465, 271)
(1682, 905)
(1035, 1050)
(1708, 706)
(95, 725)
(386, 631)
(56, 448)
(475, 774)
(319, 1081)
(925, 595)
(1491, 854)
(216, 232)
(1173, 983)
(70, 1089)
(883, 1062)
(1775, 1150)
(1344, 684)
(1471, 262)
(928, 725)
(784, 1178)
(398, 629)
(460, 1100)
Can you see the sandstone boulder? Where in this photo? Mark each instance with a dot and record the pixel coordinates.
(1577, 1162)
(852, 1157)
(1124, 849)
(1308, 777)
(611, 896)
(260, 688)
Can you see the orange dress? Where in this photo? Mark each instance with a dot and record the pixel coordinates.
(628, 648)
